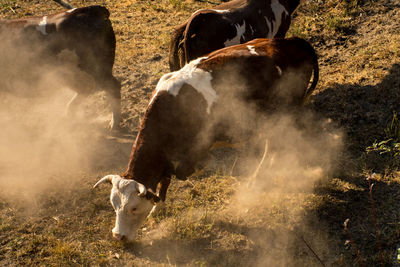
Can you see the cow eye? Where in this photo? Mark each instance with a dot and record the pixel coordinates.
(133, 209)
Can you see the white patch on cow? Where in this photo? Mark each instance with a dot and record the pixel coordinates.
(252, 50)
(215, 10)
(279, 70)
(251, 29)
(197, 11)
(70, 10)
(199, 79)
(221, 11)
(42, 26)
(240, 30)
(278, 9)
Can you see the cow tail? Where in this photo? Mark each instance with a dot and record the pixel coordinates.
(175, 48)
(313, 85)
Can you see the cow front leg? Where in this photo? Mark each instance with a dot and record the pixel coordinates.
(162, 193)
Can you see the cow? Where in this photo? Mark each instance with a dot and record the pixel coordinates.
(87, 34)
(231, 23)
(187, 115)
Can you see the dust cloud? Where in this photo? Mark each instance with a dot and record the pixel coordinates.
(301, 152)
(40, 144)
(292, 150)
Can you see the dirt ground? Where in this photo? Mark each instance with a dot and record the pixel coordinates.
(51, 216)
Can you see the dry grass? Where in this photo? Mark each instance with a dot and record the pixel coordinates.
(206, 221)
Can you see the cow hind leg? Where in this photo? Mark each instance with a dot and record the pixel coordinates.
(250, 156)
(73, 105)
(114, 98)
(116, 113)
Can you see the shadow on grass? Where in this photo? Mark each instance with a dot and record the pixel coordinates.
(339, 204)
(229, 244)
(362, 111)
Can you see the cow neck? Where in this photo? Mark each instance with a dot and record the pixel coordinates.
(147, 160)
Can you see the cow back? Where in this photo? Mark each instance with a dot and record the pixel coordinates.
(229, 24)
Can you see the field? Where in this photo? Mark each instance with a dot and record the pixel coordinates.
(294, 213)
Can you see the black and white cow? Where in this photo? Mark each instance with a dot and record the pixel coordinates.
(230, 23)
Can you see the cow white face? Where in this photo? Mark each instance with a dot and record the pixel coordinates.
(132, 203)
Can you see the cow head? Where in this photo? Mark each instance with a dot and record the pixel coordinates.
(132, 203)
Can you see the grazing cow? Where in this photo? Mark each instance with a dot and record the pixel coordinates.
(190, 110)
(230, 23)
(87, 33)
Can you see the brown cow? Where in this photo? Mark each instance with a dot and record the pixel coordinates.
(231, 23)
(86, 32)
(187, 114)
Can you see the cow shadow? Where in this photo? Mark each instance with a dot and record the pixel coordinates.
(355, 203)
(239, 245)
(362, 111)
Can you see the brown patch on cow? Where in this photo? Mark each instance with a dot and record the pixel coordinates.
(178, 128)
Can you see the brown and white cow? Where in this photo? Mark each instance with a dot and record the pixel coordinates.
(86, 32)
(191, 109)
(231, 23)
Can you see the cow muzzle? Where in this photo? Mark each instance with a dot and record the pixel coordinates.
(124, 237)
